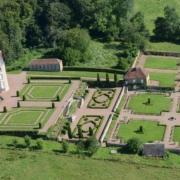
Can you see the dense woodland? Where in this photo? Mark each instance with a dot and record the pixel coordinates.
(67, 27)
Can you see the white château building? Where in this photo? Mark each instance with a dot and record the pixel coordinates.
(4, 86)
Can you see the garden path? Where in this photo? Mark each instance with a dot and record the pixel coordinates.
(88, 111)
(16, 83)
(60, 106)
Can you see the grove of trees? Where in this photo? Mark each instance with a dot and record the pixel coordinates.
(68, 26)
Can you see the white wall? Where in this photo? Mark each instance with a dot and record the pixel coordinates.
(4, 86)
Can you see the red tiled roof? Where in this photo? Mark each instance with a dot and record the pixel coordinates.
(136, 73)
(45, 61)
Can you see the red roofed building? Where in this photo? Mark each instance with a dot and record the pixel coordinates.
(136, 76)
(46, 65)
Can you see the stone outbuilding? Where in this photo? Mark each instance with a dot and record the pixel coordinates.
(154, 149)
(46, 65)
(137, 77)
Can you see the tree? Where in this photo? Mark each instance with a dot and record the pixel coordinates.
(149, 101)
(40, 125)
(17, 93)
(133, 145)
(65, 146)
(107, 78)
(90, 131)
(4, 109)
(80, 147)
(115, 78)
(18, 104)
(29, 80)
(80, 134)
(91, 145)
(70, 135)
(24, 97)
(27, 141)
(58, 98)
(39, 144)
(98, 78)
(123, 64)
(15, 142)
(53, 105)
(141, 129)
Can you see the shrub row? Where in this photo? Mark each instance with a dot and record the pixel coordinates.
(161, 53)
(107, 70)
(53, 77)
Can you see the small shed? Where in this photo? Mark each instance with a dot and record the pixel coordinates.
(154, 149)
(46, 65)
(136, 77)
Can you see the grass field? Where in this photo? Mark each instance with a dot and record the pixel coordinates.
(158, 103)
(24, 118)
(44, 91)
(152, 131)
(50, 164)
(154, 9)
(165, 79)
(162, 63)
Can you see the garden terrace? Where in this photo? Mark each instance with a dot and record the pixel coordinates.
(24, 119)
(87, 122)
(162, 63)
(101, 98)
(44, 90)
(149, 103)
(164, 79)
(145, 130)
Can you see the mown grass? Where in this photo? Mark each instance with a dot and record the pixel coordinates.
(151, 131)
(158, 103)
(176, 135)
(162, 63)
(164, 79)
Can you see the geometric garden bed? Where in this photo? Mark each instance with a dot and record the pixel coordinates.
(101, 99)
(24, 119)
(86, 123)
(44, 91)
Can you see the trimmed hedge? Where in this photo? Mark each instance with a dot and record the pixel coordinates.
(53, 77)
(107, 70)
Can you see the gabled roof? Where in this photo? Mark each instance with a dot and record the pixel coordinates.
(136, 73)
(154, 149)
(45, 61)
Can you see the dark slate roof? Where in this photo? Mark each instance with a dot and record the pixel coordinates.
(136, 73)
(45, 61)
(154, 149)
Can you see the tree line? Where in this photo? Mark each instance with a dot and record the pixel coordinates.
(68, 26)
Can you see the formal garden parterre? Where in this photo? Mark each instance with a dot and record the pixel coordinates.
(45, 91)
(24, 119)
(88, 125)
(101, 98)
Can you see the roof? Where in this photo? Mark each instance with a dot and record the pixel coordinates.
(136, 73)
(154, 149)
(45, 61)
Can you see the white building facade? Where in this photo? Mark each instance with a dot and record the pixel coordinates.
(4, 86)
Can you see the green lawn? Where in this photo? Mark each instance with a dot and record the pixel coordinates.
(176, 136)
(24, 118)
(162, 63)
(165, 79)
(152, 131)
(163, 46)
(158, 103)
(82, 74)
(44, 91)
